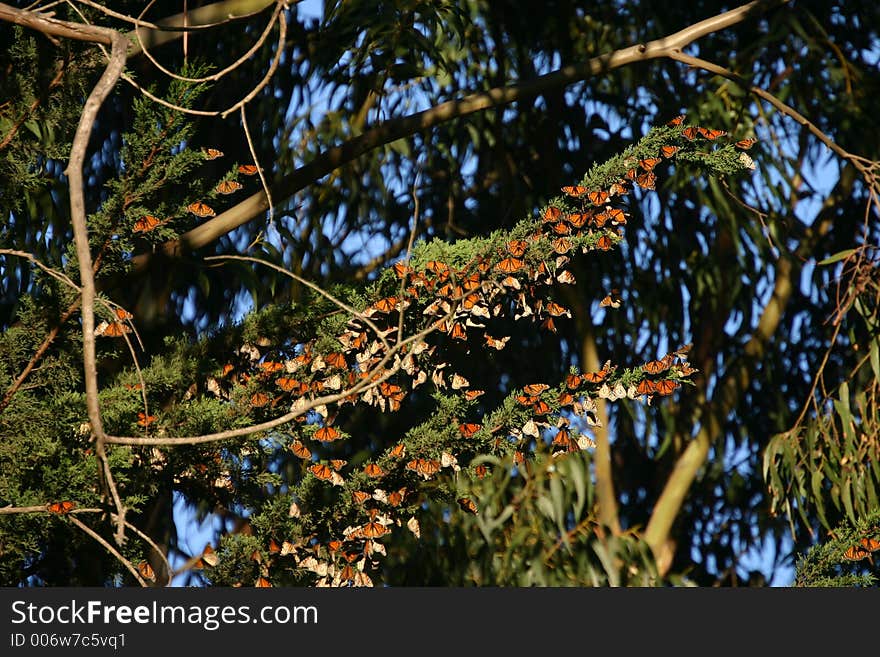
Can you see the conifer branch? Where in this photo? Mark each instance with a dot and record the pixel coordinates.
(394, 129)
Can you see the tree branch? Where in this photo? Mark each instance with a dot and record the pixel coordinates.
(394, 129)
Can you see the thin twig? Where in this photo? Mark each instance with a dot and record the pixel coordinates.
(250, 143)
(106, 545)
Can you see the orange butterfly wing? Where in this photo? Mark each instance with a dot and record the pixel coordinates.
(327, 434)
(229, 186)
(145, 224)
(201, 209)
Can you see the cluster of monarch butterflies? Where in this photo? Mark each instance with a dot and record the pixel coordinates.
(200, 209)
(462, 304)
(862, 549)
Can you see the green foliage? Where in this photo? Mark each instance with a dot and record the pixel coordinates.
(842, 561)
(535, 525)
(727, 267)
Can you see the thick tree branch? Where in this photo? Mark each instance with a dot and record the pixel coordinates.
(394, 129)
(195, 19)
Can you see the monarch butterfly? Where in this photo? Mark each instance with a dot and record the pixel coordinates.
(599, 220)
(425, 467)
(618, 189)
(616, 215)
(561, 228)
(327, 434)
(526, 400)
(209, 556)
(112, 329)
(292, 385)
(649, 163)
(540, 407)
(391, 390)
(386, 305)
(647, 180)
(259, 399)
(534, 389)
(556, 310)
(863, 549)
(468, 429)
(336, 359)
(612, 299)
(561, 245)
(496, 343)
(604, 243)
(457, 331)
(562, 438)
(374, 529)
(598, 198)
(566, 399)
(689, 133)
(481, 470)
(471, 395)
(360, 496)
(573, 381)
(201, 209)
(146, 571)
(402, 269)
(711, 133)
(301, 450)
(145, 420)
(321, 471)
(271, 366)
(666, 386)
(578, 219)
(248, 169)
(870, 544)
(682, 352)
(438, 268)
(595, 377)
(398, 451)
(334, 545)
(263, 583)
(274, 548)
(229, 186)
(575, 190)
(212, 153)
(468, 505)
(459, 382)
(548, 325)
(471, 300)
(566, 276)
(551, 214)
(509, 265)
(646, 387)
(678, 120)
(395, 498)
(669, 151)
(61, 507)
(656, 366)
(517, 248)
(145, 224)
(746, 144)
(373, 470)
